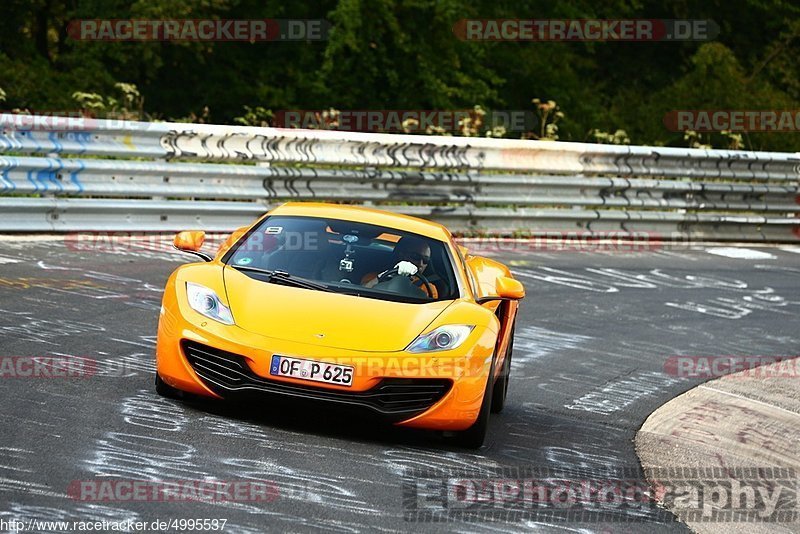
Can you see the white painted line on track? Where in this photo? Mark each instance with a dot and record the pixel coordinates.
(741, 253)
(31, 237)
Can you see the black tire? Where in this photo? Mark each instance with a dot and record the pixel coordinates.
(501, 386)
(165, 390)
(474, 436)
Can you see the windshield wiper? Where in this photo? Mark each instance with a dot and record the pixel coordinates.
(282, 277)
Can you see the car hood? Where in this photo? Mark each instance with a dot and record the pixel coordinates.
(326, 319)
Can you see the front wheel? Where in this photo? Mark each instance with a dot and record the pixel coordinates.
(501, 387)
(165, 390)
(474, 436)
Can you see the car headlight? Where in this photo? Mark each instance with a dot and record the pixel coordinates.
(443, 338)
(205, 302)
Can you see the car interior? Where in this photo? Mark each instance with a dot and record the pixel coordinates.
(340, 252)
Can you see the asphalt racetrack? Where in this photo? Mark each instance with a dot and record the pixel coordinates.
(592, 342)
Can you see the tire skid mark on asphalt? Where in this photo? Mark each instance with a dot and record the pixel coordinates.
(22, 251)
(40, 300)
(728, 308)
(746, 299)
(610, 280)
(10, 485)
(141, 454)
(307, 486)
(26, 326)
(590, 451)
(565, 278)
(584, 374)
(144, 456)
(776, 268)
(534, 342)
(129, 365)
(172, 257)
(277, 438)
(14, 459)
(294, 483)
(617, 394)
(684, 339)
(683, 255)
(134, 364)
(60, 246)
(399, 460)
(106, 286)
(563, 445)
(626, 384)
(31, 425)
(223, 427)
(148, 342)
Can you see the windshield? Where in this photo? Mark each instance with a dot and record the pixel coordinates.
(349, 257)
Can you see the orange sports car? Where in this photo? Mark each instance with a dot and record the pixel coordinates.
(370, 310)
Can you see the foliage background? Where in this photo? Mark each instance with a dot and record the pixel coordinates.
(393, 54)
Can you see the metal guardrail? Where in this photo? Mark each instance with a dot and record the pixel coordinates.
(85, 182)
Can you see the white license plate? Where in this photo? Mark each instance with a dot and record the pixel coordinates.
(330, 373)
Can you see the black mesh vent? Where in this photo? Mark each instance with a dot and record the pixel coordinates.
(228, 375)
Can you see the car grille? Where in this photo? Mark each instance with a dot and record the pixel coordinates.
(228, 375)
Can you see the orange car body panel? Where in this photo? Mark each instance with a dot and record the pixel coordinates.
(369, 334)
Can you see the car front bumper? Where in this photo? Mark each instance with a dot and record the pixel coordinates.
(441, 391)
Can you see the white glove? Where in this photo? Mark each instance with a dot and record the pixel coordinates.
(406, 268)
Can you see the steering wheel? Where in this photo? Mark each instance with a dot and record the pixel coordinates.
(391, 273)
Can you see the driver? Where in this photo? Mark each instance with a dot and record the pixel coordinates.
(412, 256)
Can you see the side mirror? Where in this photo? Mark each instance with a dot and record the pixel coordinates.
(509, 288)
(191, 242)
(232, 238)
(494, 280)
